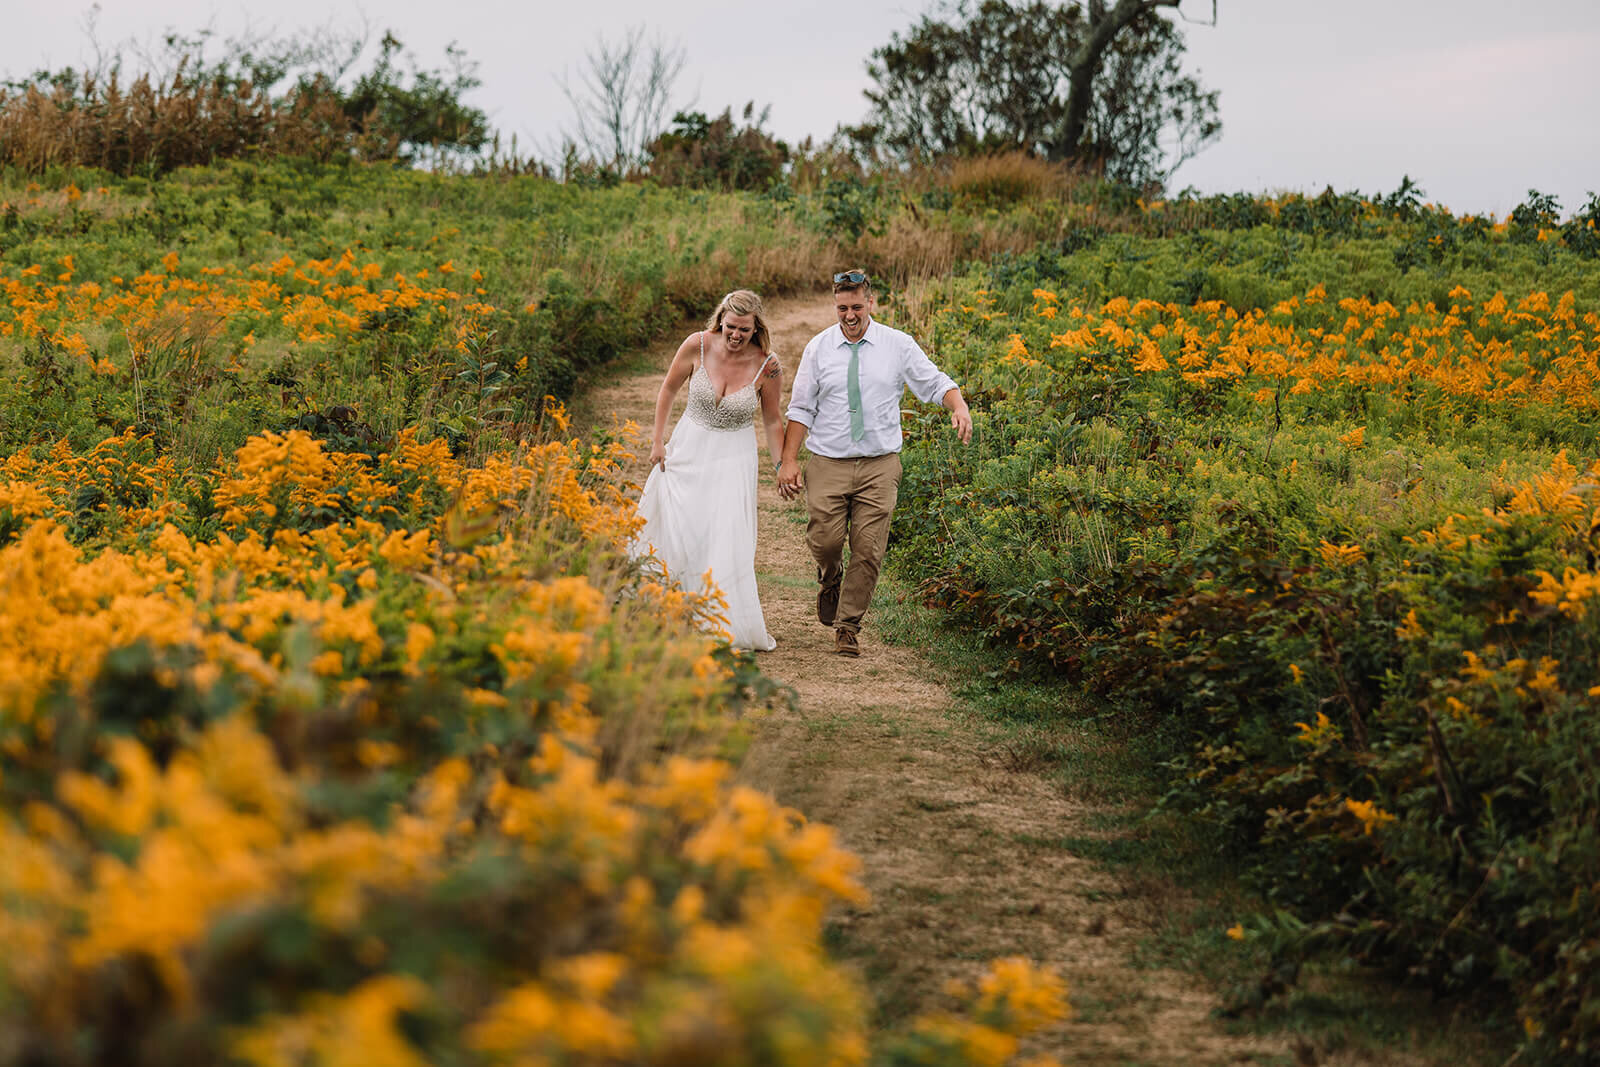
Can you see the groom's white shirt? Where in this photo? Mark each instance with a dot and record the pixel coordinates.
(890, 361)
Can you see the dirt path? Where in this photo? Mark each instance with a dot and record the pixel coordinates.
(957, 844)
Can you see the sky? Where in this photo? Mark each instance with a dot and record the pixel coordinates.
(1477, 101)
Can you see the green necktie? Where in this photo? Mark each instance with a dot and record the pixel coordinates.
(858, 422)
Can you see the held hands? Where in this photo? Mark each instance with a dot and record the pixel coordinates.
(789, 479)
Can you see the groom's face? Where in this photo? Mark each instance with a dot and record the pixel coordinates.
(854, 307)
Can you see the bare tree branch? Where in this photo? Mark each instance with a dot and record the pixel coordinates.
(621, 97)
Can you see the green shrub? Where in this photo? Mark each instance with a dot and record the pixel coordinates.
(1326, 531)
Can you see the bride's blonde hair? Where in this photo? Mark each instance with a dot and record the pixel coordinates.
(742, 302)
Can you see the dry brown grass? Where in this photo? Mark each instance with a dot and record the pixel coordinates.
(787, 258)
(912, 250)
(1009, 178)
(151, 127)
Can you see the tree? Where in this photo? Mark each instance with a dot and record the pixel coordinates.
(621, 98)
(716, 152)
(427, 116)
(1100, 83)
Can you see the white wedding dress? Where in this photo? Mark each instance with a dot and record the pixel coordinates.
(699, 508)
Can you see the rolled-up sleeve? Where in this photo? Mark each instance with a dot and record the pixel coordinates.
(928, 383)
(804, 395)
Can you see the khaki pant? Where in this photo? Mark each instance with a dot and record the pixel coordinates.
(854, 499)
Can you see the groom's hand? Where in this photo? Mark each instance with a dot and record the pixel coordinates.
(960, 414)
(961, 422)
(789, 479)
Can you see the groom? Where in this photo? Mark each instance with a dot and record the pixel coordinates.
(846, 408)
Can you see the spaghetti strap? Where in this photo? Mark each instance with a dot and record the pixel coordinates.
(770, 357)
(702, 362)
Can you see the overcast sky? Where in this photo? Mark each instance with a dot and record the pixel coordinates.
(1477, 100)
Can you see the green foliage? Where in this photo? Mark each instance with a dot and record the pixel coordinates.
(1581, 232)
(202, 372)
(1363, 602)
(425, 117)
(716, 153)
(852, 207)
(1538, 212)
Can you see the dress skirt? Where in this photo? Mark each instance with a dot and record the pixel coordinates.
(699, 512)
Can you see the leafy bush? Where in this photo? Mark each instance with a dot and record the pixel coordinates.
(393, 756)
(716, 153)
(1328, 530)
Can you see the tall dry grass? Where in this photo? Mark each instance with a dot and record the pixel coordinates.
(1009, 178)
(788, 254)
(154, 126)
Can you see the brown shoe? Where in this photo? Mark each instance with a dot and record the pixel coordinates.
(827, 604)
(844, 643)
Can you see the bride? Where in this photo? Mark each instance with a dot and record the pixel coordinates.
(699, 503)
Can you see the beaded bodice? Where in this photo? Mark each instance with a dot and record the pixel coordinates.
(732, 412)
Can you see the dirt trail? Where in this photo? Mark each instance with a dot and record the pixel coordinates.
(957, 843)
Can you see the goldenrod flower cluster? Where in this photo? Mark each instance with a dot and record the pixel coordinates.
(1496, 350)
(356, 769)
(311, 301)
(391, 759)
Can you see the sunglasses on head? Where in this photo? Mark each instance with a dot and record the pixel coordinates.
(850, 277)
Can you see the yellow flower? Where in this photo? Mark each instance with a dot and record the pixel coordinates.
(1027, 997)
(1544, 678)
(1017, 349)
(1410, 628)
(1341, 555)
(127, 809)
(358, 1027)
(372, 753)
(1150, 358)
(1324, 732)
(968, 1042)
(1372, 817)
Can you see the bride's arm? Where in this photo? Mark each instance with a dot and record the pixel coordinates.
(771, 389)
(678, 373)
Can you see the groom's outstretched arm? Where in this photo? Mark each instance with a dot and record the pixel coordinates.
(960, 414)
